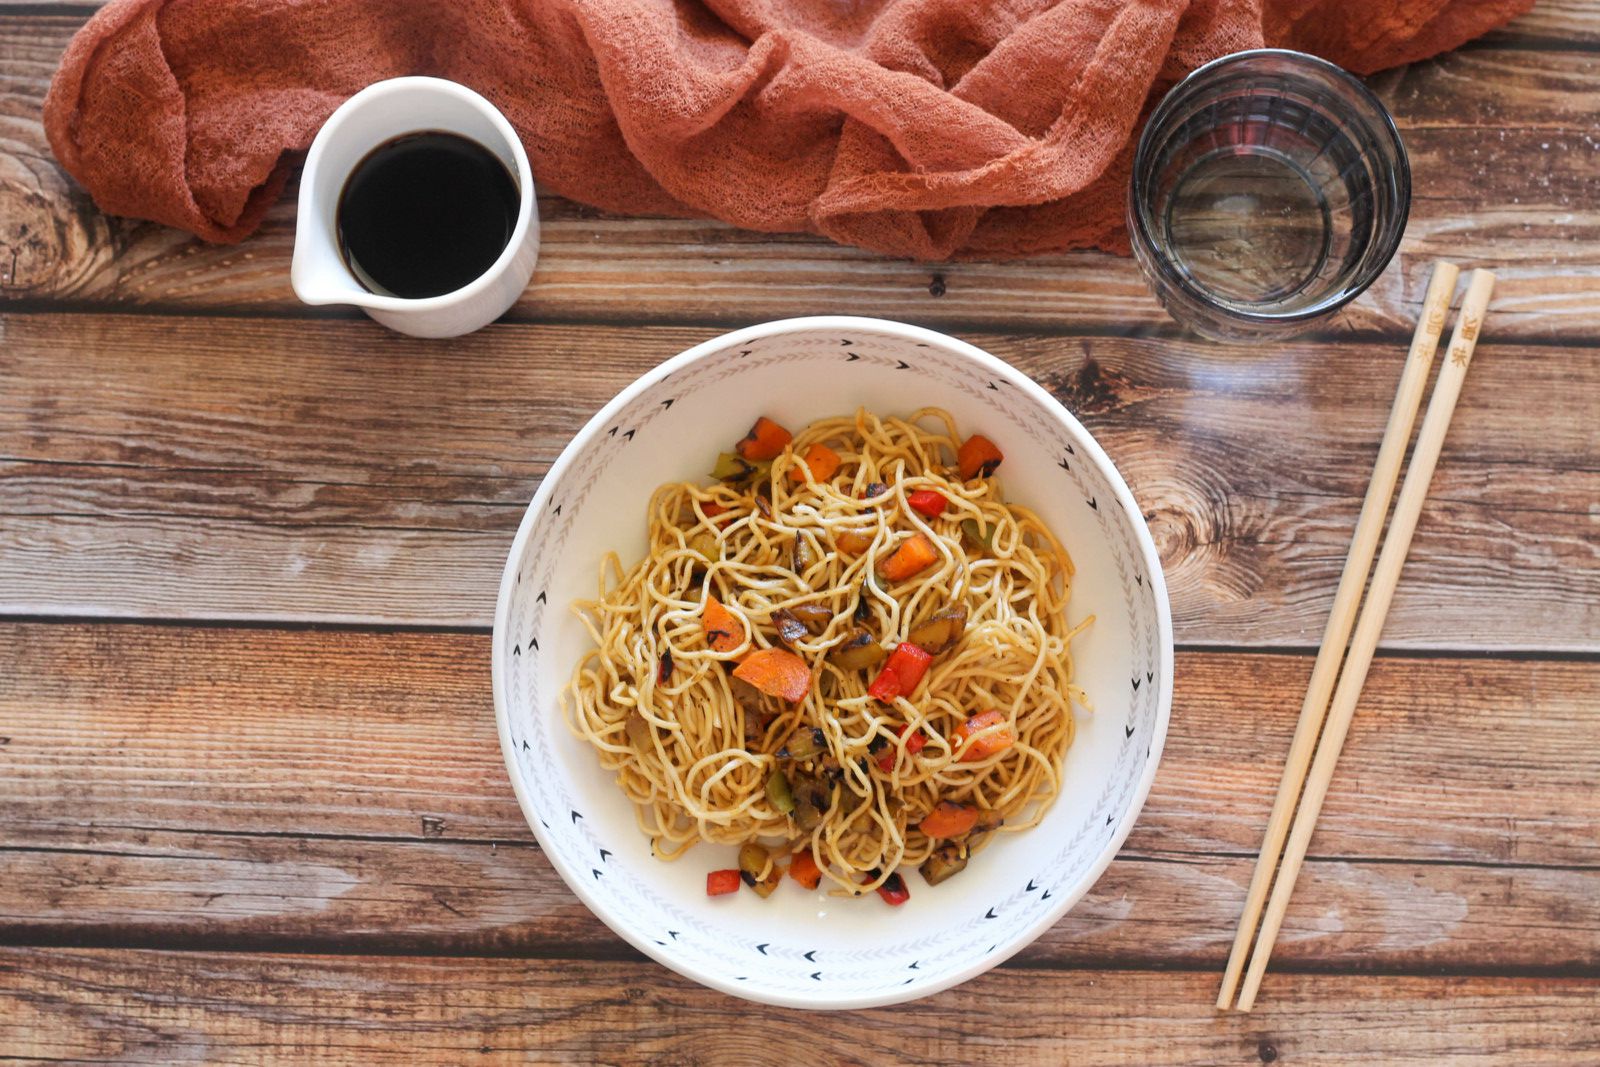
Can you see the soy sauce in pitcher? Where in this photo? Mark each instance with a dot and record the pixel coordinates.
(425, 214)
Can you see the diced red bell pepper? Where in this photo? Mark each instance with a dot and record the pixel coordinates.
(901, 674)
(914, 744)
(928, 502)
(719, 883)
(885, 687)
(894, 891)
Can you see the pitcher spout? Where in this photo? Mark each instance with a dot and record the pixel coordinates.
(318, 275)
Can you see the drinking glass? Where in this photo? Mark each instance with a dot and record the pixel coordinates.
(1269, 189)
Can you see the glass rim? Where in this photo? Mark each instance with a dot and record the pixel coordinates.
(1161, 262)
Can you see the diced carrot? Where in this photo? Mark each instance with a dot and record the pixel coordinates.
(803, 869)
(978, 455)
(719, 883)
(987, 745)
(764, 441)
(822, 461)
(915, 554)
(724, 633)
(949, 820)
(928, 502)
(853, 542)
(776, 672)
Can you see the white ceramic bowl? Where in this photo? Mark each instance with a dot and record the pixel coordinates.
(796, 948)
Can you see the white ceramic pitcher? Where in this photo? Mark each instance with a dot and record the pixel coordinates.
(380, 113)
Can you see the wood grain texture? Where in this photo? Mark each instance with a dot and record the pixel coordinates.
(1502, 142)
(392, 736)
(263, 788)
(1565, 23)
(232, 1008)
(180, 468)
(114, 885)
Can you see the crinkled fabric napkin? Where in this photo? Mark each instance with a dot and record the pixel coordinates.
(922, 128)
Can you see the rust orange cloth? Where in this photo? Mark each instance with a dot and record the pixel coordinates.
(922, 128)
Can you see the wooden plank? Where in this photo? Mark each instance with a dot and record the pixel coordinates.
(1502, 144)
(229, 1008)
(1566, 23)
(111, 885)
(390, 736)
(262, 468)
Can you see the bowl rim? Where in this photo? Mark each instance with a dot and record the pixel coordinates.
(1069, 897)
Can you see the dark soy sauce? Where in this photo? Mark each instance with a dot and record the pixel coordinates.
(424, 214)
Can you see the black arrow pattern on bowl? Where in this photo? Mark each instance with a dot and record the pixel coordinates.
(605, 854)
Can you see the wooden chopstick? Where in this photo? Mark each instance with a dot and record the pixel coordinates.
(1363, 546)
(1385, 577)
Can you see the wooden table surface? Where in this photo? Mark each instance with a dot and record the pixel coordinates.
(251, 804)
